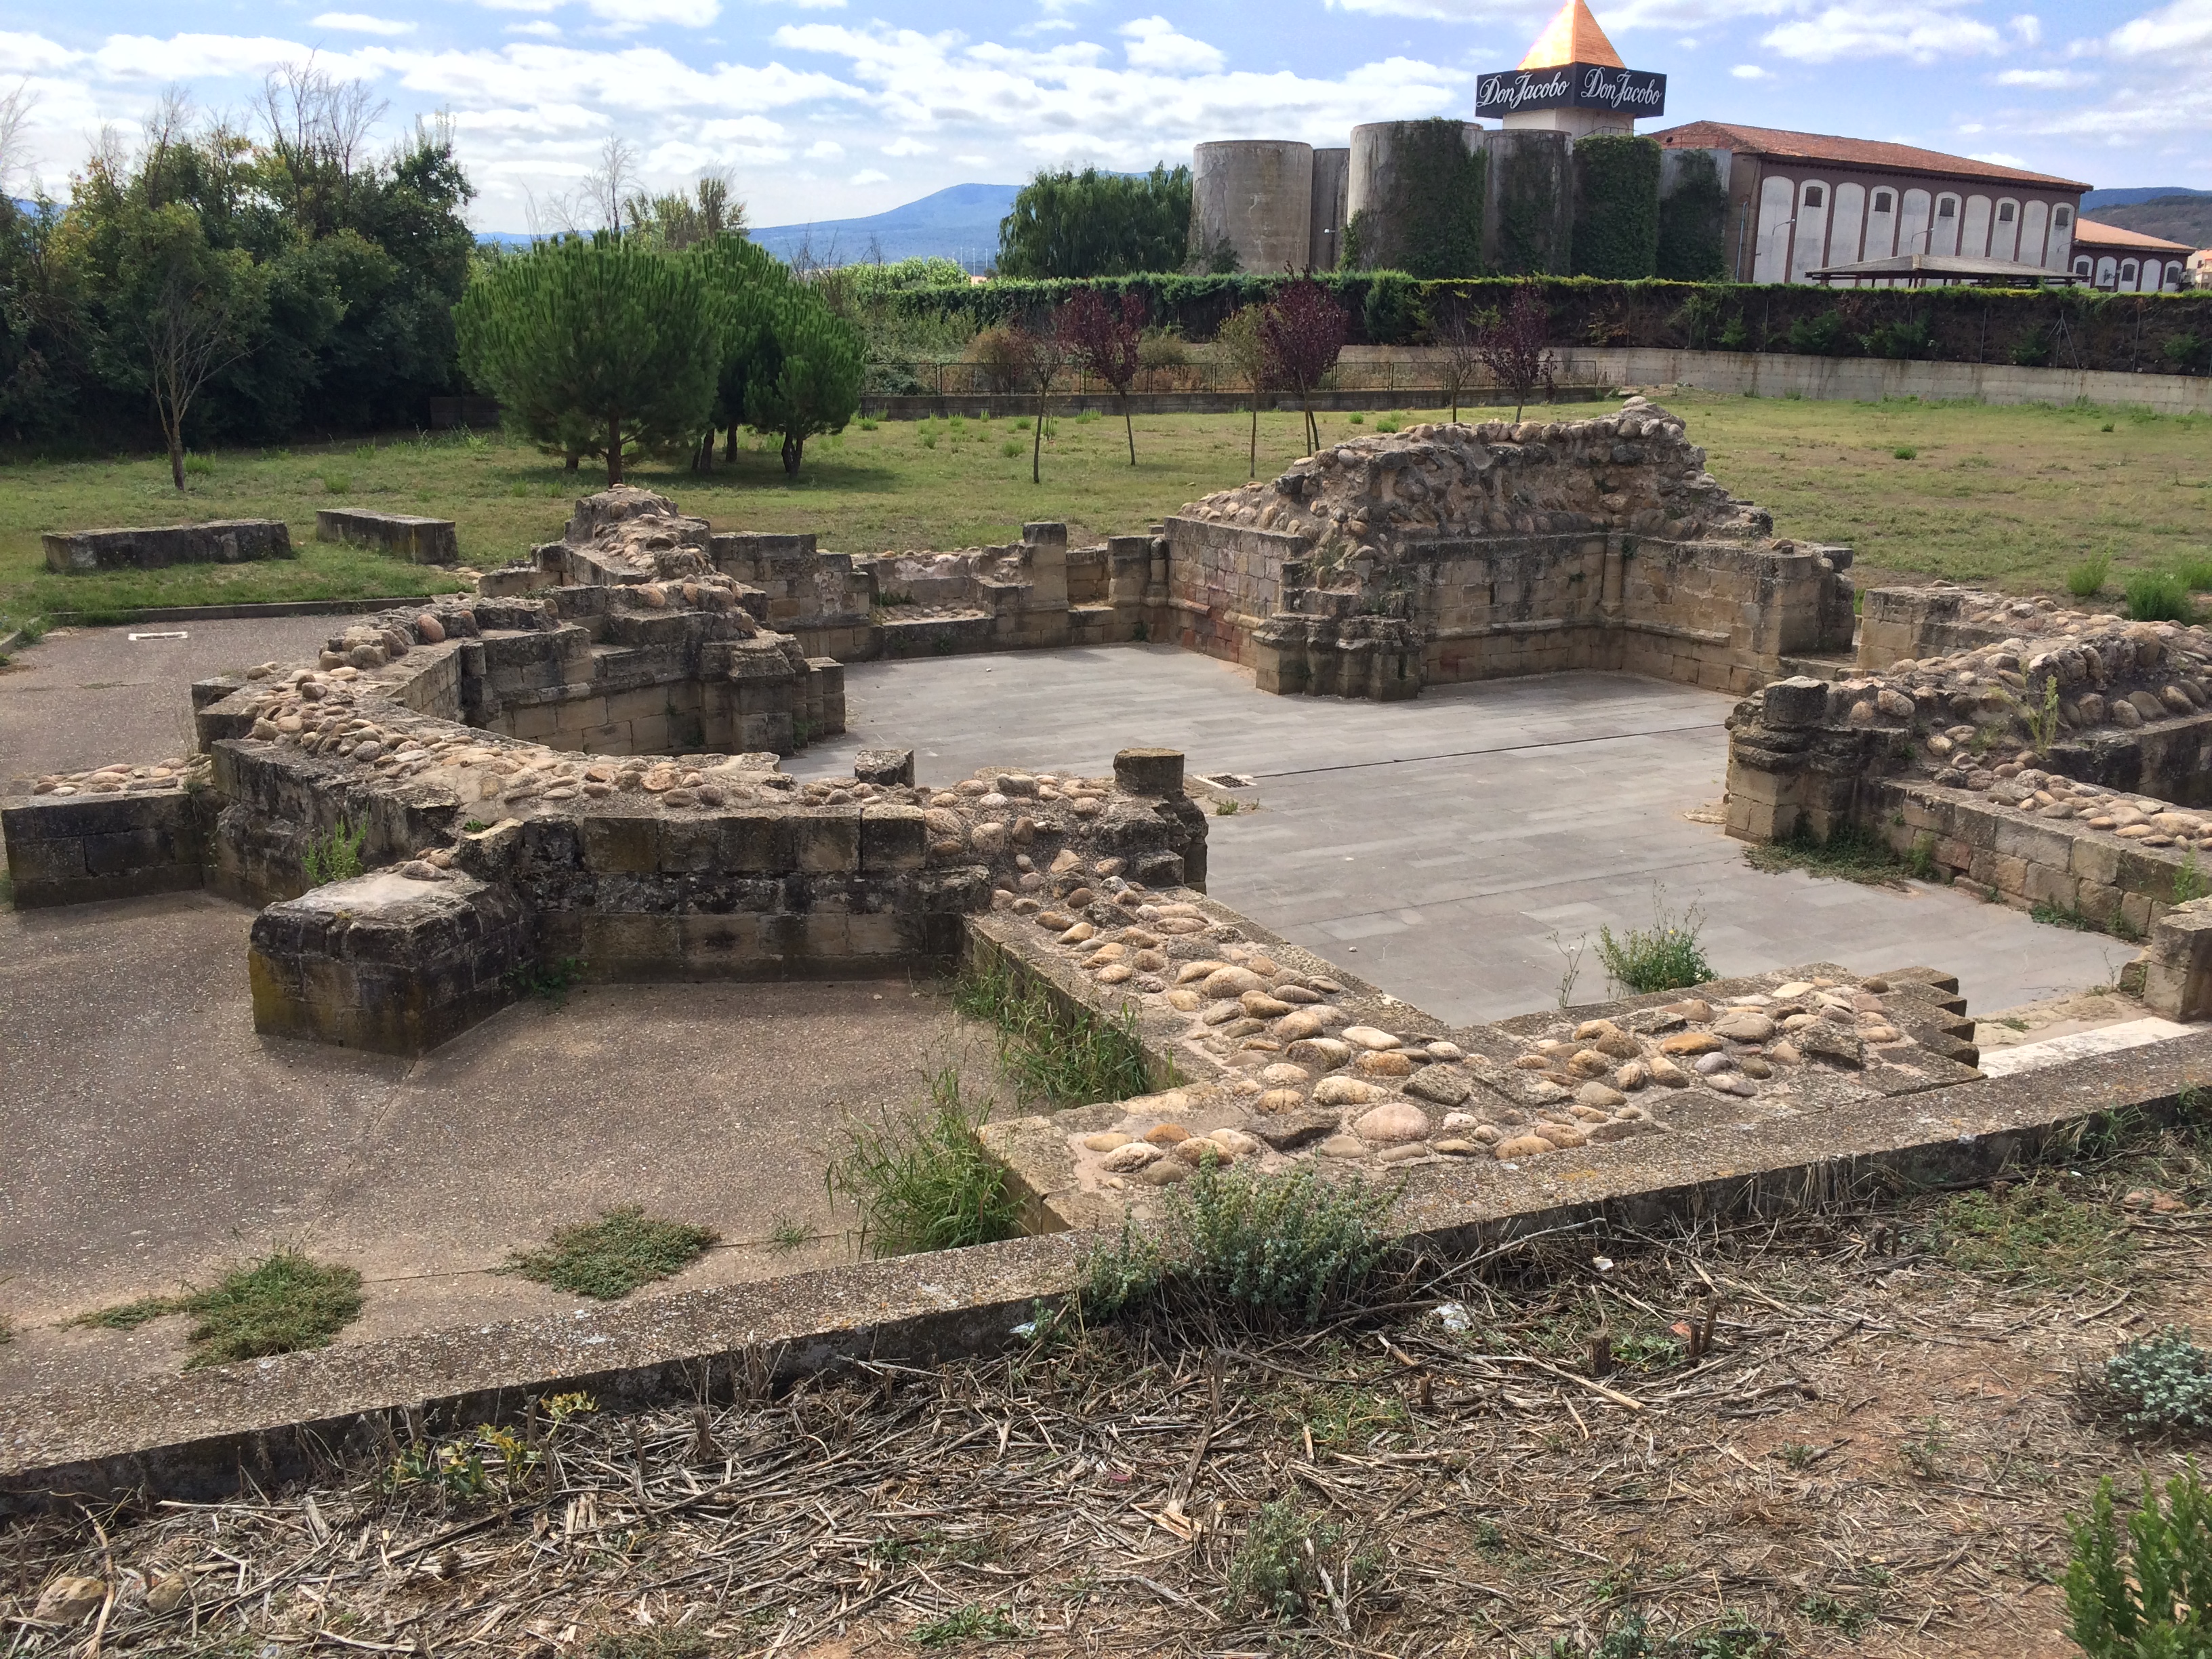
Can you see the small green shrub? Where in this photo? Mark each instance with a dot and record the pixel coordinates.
(1666, 957)
(2194, 573)
(2158, 596)
(2153, 1598)
(610, 1257)
(1011, 446)
(549, 981)
(1290, 1565)
(1267, 1246)
(1357, 419)
(2162, 1383)
(1387, 423)
(283, 1304)
(335, 856)
(867, 423)
(968, 1624)
(339, 484)
(2189, 883)
(1905, 452)
(920, 1180)
(1922, 862)
(928, 436)
(1631, 1636)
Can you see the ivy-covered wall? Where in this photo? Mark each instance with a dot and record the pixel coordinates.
(1428, 219)
(1616, 207)
(1531, 180)
(2066, 328)
(1694, 207)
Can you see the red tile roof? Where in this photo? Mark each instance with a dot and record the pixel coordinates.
(2088, 232)
(1847, 152)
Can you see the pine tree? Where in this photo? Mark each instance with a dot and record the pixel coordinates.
(807, 379)
(597, 347)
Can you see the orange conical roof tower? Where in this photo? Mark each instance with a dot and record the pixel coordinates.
(1572, 37)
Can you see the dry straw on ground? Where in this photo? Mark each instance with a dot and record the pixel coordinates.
(1875, 1453)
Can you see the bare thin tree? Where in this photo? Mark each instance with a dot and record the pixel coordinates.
(190, 333)
(1461, 364)
(15, 108)
(609, 186)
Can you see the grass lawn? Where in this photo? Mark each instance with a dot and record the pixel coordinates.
(2010, 496)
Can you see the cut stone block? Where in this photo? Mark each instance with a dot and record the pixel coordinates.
(418, 541)
(219, 541)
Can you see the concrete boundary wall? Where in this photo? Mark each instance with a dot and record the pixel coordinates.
(204, 1434)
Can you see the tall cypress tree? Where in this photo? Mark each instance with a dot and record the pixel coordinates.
(597, 347)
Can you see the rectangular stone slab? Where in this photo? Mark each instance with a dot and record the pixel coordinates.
(418, 541)
(219, 541)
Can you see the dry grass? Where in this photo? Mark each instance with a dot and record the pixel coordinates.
(1879, 1447)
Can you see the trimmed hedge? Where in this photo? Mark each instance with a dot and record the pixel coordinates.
(1616, 207)
(2069, 328)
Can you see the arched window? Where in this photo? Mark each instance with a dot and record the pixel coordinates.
(1812, 195)
(2082, 268)
(1882, 201)
(2004, 213)
(2062, 217)
(2127, 275)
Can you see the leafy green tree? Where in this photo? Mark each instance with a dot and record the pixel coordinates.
(677, 222)
(806, 378)
(1097, 224)
(597, 347)
(1244, 341)
(744, 284)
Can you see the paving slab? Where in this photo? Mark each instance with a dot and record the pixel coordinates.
(85, 696)
(1452, 849)
(153, 1138)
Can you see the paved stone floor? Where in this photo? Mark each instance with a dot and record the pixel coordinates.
(1438, 847)
(152, 1137)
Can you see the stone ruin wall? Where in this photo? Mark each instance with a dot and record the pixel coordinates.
(1448, 553)
(1264, 1054)
(2064, 762)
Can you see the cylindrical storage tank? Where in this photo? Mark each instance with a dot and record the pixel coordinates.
(1254, 196)
(1380, 193)
(1332, 174)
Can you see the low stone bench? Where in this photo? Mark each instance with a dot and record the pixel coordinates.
(78, 848)
(219, 541)
(418, 541)
(386, 961)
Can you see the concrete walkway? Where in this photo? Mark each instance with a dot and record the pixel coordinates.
(1438, 847)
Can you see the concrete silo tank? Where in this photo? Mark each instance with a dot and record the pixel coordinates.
(1256, 195)
(1332, 173)
(1381, 196)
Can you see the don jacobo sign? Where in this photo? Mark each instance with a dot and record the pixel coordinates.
(1571, 86)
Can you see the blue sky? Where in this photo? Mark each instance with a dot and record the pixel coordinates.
(828, 108)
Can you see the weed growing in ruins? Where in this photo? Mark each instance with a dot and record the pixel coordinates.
(335, 856)
(968, 1624)
(281, 1304)
(1570, 956)
(1055, 1054)
(1666, 957)
(2042, 723)
(789, 1233)
(1631, 1636)
(1273, 1246)
(1850, 854)
(1224, 808)
(2189, 882)
(920, 1180)
(610, 1257)
(1921, 861)
(2069, 916)
(2087, 580)
(1293, 1565)
(2031, 1233)
(2161, 1384)
(2151, 1597)
(2159, 596)
(549, 981)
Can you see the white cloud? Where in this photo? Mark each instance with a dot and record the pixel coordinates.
(1751, 72)
(2184, 26)
(973, 161)
(869, 176)
(747, 129)
(2028, 28)
(1154, 44)
(208, 56)
(23, 53)
(1998, 158)
(2048, 80)
(908, 147)
(628, 16)
(360, 22)
(824, 149)
(538, 28)
(1871, 29)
